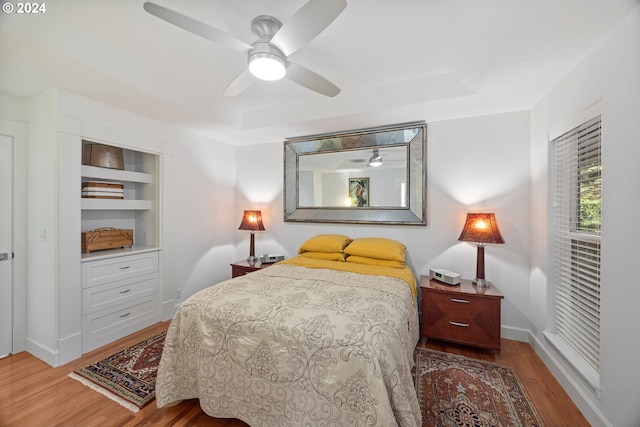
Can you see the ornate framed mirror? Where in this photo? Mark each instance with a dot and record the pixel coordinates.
(370, 176)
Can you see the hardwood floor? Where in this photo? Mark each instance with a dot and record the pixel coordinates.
(33, 394)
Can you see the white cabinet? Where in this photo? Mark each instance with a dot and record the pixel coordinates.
(120, 295)
(120, 287)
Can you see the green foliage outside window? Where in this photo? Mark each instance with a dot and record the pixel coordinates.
(590, 199)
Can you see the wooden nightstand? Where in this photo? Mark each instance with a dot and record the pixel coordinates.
(463, 314)
(240, 268)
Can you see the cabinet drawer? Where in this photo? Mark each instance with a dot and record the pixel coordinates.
(100, 297)
(111, 269)
(105, 326)
(466, 319)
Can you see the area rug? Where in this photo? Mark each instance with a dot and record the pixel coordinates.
(455, 390)
(127, 377)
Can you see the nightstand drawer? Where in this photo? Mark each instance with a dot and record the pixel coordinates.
(240, 270)
(477, 327)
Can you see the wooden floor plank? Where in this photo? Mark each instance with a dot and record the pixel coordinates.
(33, 394)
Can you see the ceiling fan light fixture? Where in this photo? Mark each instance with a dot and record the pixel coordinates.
(376, 159)
(267, 66)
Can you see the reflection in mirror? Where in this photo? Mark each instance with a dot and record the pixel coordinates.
(373, 176)
(334, 179)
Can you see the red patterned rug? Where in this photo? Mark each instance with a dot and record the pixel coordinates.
(459, 391)
(127, 377)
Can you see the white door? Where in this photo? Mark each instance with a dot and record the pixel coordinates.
(6, 249)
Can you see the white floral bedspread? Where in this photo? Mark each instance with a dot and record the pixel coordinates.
(296, 346)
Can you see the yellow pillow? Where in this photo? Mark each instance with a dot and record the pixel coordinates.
(375, 261)
(325, 243)
(330, 256)
(377, 247)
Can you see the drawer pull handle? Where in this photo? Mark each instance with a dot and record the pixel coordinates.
(125, 291)
(125, 315)
(459, 300)
(125, 267)
(464, 325)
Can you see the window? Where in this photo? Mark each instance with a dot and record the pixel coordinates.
(576, 225)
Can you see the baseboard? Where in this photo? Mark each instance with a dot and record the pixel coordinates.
(515, 334)
(592, 413)
(70, 348)
(169, 309)
(42, 352)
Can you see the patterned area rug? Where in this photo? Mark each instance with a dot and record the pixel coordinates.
(459, 391)
(127, 377)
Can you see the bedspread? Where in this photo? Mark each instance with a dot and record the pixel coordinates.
(296, 346)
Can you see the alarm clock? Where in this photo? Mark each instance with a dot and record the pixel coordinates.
(270, 258)
(445, 276)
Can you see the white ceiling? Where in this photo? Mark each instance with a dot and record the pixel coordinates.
(395, 60)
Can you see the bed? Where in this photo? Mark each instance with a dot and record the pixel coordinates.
(315, 340)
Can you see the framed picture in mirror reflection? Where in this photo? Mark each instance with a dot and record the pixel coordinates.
(359, 190)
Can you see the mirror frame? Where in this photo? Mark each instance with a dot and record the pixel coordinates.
(415, 213)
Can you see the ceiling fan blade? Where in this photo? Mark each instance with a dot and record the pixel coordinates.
(315, 82)
(240, 83)
(306, 23)
(196, 27)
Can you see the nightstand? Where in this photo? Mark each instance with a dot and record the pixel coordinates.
(464, 314)
(240, 268)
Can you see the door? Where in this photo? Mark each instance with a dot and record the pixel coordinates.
(6, 252)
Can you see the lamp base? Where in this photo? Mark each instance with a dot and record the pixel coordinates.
(480, 283)
(252, 249)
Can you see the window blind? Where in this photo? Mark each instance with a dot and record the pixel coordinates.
(576, 239)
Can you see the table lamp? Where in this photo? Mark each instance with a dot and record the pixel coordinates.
(252, 221)
(481, 228)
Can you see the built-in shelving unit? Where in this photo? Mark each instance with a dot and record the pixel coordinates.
(71, 312)
(138, 210)
(120, 286)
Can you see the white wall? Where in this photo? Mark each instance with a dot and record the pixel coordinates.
(42, 197)
(474, 164)
(610, 74)
(199, 214)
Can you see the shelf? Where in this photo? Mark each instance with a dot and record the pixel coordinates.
(110, 253)
(116, 174)
(116, 204)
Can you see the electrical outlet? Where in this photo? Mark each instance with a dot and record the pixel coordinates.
(43, 234)
(178, 293)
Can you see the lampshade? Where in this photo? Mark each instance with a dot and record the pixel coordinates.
(267, 66)
(251, 221)
(481, 228)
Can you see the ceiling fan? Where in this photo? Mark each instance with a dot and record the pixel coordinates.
(268, 55)
(374, 161)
